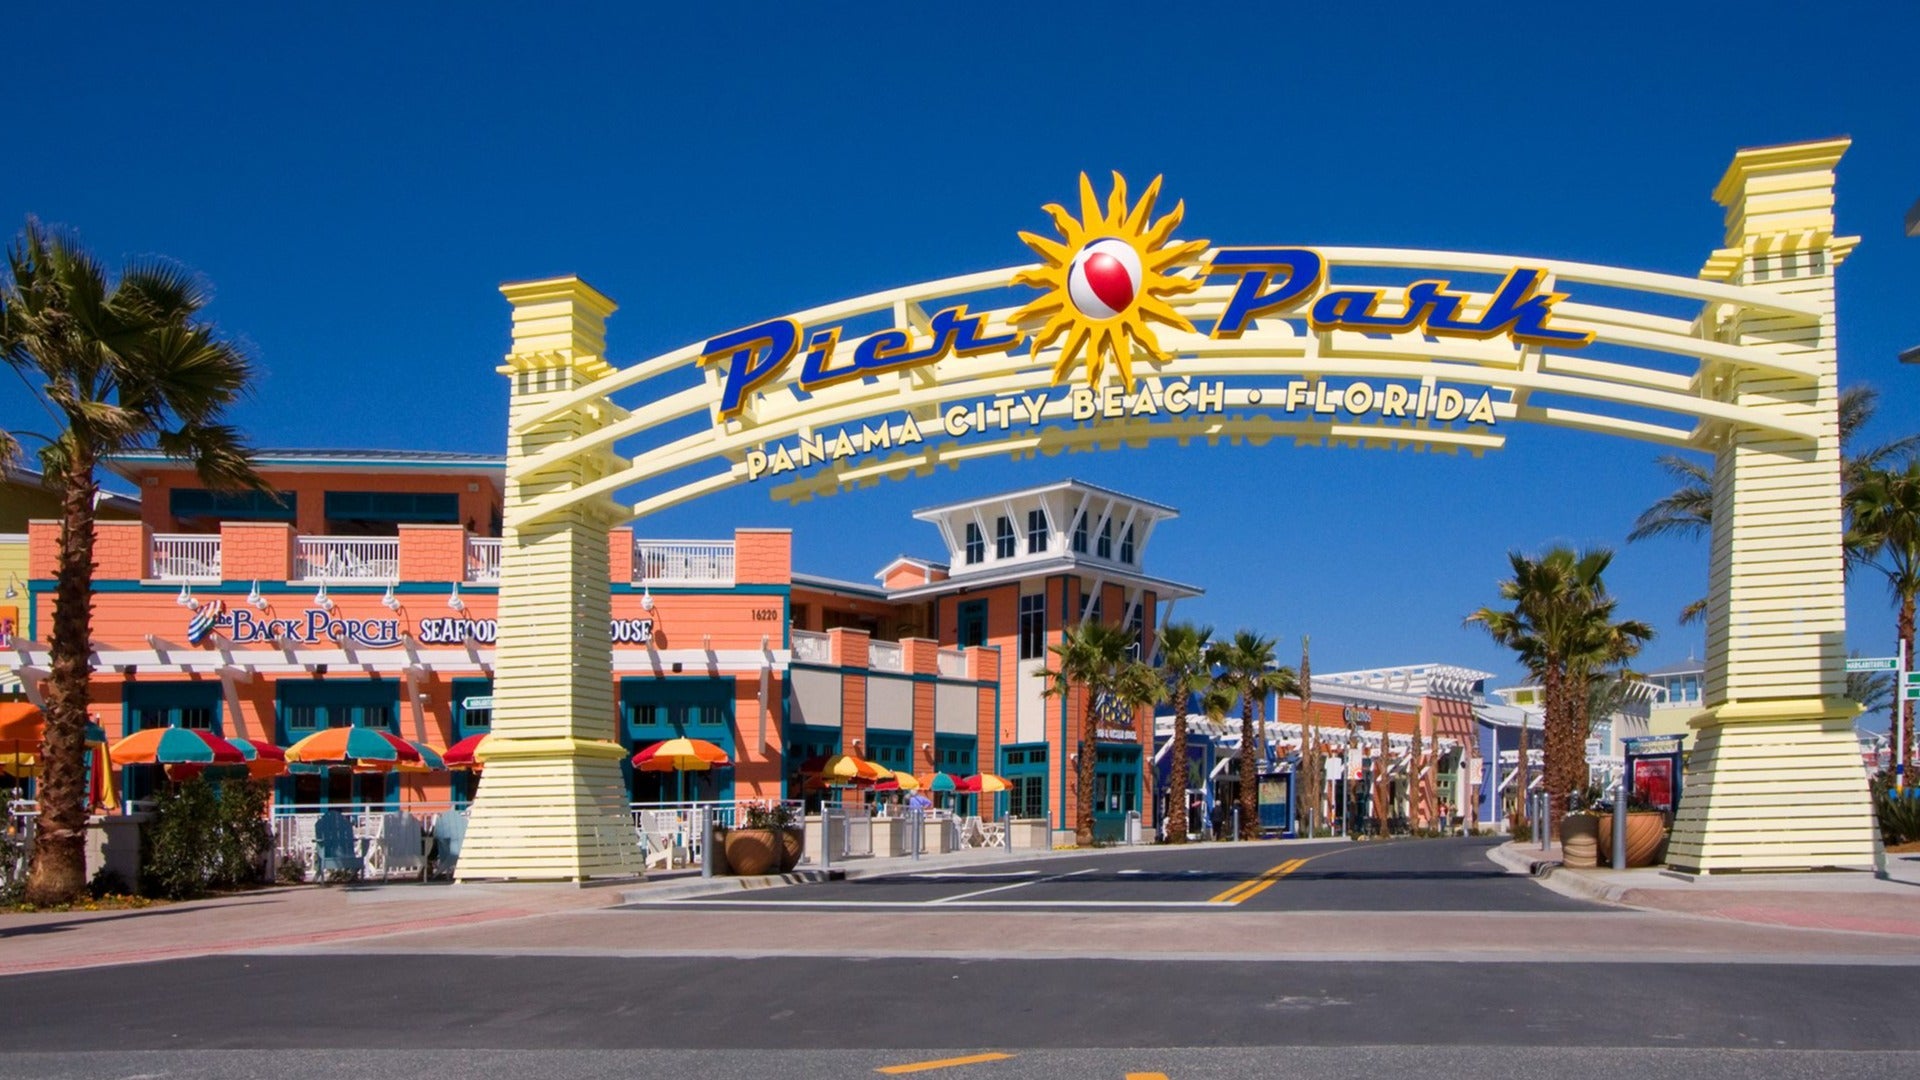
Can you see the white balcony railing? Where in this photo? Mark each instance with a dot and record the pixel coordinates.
(812, 648)
(348, 558)
(886, 656)
(483, 559)
(186, 558)
(683, 562)
(953, 663)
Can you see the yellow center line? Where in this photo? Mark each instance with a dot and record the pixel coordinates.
(1267, 879)
(943, 1063)
(1248, 888)
(1146, 1076)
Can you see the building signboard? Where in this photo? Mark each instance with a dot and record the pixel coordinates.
(317, 626)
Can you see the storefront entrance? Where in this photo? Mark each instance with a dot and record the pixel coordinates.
(653, 710)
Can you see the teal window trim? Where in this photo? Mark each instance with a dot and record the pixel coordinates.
(335, 703)
(972, 621)
(463, 718)
(167, 704)
(411, 507)
(188, 503)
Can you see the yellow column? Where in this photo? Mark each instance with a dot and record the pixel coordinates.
(1774, 780)
(551, 803)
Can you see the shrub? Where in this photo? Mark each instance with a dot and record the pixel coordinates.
(292, 869)
(771, 816)
(13, 865)
(201, 838)
(1899, 814)
(1522, 830)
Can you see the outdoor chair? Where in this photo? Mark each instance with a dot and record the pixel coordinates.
(449, 832)
(335, 847)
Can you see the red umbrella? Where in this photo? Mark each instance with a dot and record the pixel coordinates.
(461, 755)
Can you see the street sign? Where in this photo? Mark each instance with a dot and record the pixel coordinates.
(1873, 663)
(1593, 749)
(1911, 691)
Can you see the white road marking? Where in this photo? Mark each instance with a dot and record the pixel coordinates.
(1002, 888)
(974, 877)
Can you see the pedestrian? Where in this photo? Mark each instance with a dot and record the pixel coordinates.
(1219, 819)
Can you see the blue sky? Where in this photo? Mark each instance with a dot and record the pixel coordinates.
(357, 182)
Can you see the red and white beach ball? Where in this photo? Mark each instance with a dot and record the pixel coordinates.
(1104, 278)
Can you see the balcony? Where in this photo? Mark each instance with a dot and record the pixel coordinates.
(191, 558)
(812, 648)
(683, 562)
(886, 656)
(953, 663)
(483, 560)
(347, 559)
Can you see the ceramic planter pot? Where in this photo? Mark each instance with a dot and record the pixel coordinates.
(793, 843)
(752, 852)
(1580, 841)
(1646, 838)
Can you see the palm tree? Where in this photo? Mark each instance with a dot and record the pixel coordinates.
(1688, 510)
(1184, 671)
(118, 364)
(1090, 659)
(1247, 668)
(1884, 511)
(1562, 628)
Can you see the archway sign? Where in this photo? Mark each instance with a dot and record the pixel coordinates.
(1124, 335)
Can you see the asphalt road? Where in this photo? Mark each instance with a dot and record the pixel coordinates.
(1426, 875)
(338, 1014)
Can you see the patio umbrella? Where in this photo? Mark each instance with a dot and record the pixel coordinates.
(680, 756)
(462, 756)
(264, 761)
(982, 784)
(363, 748)
(852, 769)
(23, 726)
(900, 781)
(175, 746)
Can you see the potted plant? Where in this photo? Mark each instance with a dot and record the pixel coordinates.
(1580, 833)
(758, 844)
(1646, 834)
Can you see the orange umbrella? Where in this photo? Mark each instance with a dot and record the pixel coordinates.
(983, 783)
(680, 755)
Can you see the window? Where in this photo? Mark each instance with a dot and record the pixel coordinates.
(1036, 531)
(953, 754)
(380, 513)
(196, 507)
(1005, 545)
(1094, 610)
(472, 707)
(1080, 534)
(1105, 548)
(308, 705)
(1137, 623)
(976, 544)
(973, 623)
(1126, 545)
(1033, 626)
(654, 709)
(1028, 797)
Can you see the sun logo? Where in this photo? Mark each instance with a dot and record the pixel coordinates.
(1107, 279)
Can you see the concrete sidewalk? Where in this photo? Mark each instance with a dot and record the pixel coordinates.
(1856, 901)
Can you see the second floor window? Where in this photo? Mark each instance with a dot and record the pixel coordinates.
(1005, 545)
(1080, 534)
(1033, 626)
(1036, 531)
(1105, 550)
(976, 544)
(1126, 545)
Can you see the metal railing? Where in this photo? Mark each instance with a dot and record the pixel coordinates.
(483, 559)
(670, 834)
(186, 557)
(812, 648)
(953, 663)
(683, 562)
(375, 839)
(886, 656)
(348, 558)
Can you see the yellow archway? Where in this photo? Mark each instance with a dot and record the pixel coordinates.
(1354, 346)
